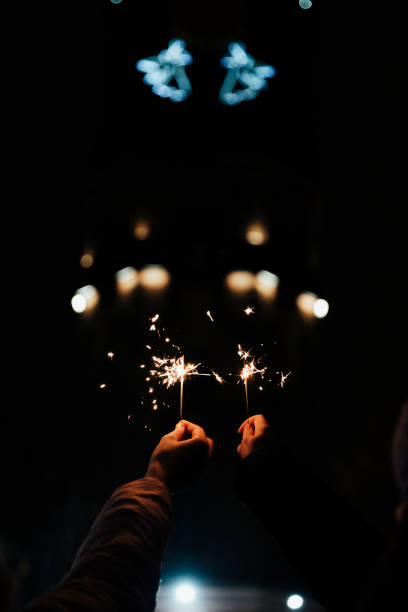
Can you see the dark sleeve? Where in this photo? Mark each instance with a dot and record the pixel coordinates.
(117, 567)
(332, 548)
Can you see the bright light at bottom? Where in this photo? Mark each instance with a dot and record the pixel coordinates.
(185, 593)
(294, 602)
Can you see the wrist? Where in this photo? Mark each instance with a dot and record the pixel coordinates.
(155, 470)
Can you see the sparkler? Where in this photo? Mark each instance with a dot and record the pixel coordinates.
(248, 371)
(173, 370)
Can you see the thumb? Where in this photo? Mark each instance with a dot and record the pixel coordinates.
(179, 431)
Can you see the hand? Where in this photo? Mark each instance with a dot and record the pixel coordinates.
(255, 435)
(181, 455)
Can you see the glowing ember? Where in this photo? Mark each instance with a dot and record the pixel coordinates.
(217, 377)
(208, 313)
(283, 378)
(249, 310)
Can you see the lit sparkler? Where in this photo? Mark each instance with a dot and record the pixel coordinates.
(172, 370)
(248, 370)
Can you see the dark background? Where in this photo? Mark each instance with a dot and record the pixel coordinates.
(319, 156)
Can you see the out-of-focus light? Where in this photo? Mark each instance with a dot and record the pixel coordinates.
(87, 258)
(240, 281)
(85, 299)
(116, 1)
(305, 4)
(127, 279)
(320, 308)
(78, 303)
(244, 71)
(295, 602)
(185, 593)
(142, 230)
(169, 64)
(256, 234)
(305, 303)
(266, 283)
(154, 277)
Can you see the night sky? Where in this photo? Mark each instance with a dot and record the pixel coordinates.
(319, 156)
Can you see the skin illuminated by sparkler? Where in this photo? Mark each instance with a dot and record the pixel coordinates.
(248, 370)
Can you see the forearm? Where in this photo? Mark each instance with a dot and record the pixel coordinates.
(118, 564)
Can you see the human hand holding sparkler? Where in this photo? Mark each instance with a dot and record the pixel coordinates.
(256, 434)
(181, 455)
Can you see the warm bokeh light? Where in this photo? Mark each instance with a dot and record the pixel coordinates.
(87, 258)
(266, 283)
(320, 308)
(142, 229)
(185, 593)
(127, 280)
(85, 299)
(240, 281)
(154, 277)
(256, 234)
(305, 303)
(311, 306)
(295, 602)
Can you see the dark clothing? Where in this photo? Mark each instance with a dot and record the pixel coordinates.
(332, 548)
(117, 568)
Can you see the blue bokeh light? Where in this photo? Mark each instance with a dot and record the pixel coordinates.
(116, 1)
(161, 69)
(305, 4)
(243, 69)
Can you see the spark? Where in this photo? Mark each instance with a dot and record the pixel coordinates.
(249, 310)
(173, 370)
(151, 389)
(142, 365)
(148, 347)
(283, 378)
(248, 370)
(152, 327)
(102, 386)
(167, 339)
(128, 417)
(110, 355)
(208, 313)
(217, 377)
(260, 388)
(155, 318)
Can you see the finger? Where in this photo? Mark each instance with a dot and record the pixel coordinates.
(260, 424)
(210, 447)
(239, 449)
(194, 430)
(179, 430)
(240, 430)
